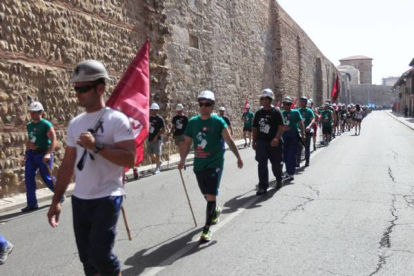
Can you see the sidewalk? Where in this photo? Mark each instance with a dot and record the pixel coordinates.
(44, 194)
(408, 121)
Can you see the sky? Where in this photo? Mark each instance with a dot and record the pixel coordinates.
(380, 29)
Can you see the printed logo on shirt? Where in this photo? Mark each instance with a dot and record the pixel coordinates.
(264, 127)
(179, 124)
(201, 140)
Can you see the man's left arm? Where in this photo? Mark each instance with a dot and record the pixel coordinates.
(121, 153)
(51, 134)
(229, 140)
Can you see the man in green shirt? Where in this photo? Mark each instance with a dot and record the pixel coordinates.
(205, 131)
(39, 154)
(308, 118)
(293, 124)
(327, 118)
(248, 125)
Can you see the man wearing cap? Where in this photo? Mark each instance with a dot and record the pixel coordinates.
(267, 141)
(222, 111)
(327, 121)
(293, 125)
(179, 124)
(206, 132)
(156, 130)
(248, 125)
(39, 154)
(100, 143)
(308, 118)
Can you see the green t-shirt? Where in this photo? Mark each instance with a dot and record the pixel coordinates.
(37, 133)
(248, 119)
(206, 135)
(326, 117)
(292, 119)
(307, 115)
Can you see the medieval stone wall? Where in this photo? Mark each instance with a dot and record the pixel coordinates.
(235, 48)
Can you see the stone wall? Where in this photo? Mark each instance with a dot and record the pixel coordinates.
(377, 94)
(235, 48)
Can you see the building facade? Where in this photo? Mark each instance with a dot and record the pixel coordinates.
(363, 64)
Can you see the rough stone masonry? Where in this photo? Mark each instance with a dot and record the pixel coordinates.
(233, 47)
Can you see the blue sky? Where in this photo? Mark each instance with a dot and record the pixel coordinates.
(381, 29)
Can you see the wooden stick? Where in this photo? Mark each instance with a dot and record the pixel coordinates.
(126, 223)
(188, 198)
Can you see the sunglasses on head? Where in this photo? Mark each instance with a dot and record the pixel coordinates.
(85, 88)
(201, 104)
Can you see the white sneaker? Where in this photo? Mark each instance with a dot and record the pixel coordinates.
(157, 171)
(5, 252)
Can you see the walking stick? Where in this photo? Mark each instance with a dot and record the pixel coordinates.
(188, 198)
(169, 153)
(124, 214)
(126, 223)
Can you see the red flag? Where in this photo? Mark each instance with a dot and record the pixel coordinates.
(131, 96)
(294, 103)
(335, 90)
(245, 104)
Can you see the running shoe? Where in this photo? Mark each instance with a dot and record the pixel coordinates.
(5, 252)
(29, 208)
(261, 192)
(157, 171)
(289, 177)
(205, 236)
(216, 216)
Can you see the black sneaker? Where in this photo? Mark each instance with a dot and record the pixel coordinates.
(261, 192)
(279, 184)
(307, 164)
(29, 208)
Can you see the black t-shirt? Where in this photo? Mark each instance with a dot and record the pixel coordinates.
(227, 120)
(267, 122)
(156, 123)
(180, 123)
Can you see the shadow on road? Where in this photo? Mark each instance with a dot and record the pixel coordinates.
(8, 217)
(143, 260)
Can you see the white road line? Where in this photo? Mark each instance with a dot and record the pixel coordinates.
(194, 241)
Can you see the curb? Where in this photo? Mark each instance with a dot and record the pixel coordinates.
(399, 120)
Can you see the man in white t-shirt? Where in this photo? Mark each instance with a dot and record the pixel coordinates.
(100, 143)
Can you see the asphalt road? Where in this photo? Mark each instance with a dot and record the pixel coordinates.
(350, 213)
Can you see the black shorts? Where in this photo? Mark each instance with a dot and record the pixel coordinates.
(327, 129)
(209, 181)
(358, 120)
(249, 129)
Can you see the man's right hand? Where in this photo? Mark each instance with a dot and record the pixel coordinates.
(53, 214)
(24, 160)
(181, 164)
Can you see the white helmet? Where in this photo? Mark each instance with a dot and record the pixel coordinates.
(248, 106)
(287, 100)
(206, 95)
(267, 93)
(36, 106)
(179, 107)
(155, 106)
(89, 70)
(222, 108)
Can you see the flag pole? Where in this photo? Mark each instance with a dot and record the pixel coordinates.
(188, 198)
(124, 213)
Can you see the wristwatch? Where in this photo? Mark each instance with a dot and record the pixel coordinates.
(98, 147)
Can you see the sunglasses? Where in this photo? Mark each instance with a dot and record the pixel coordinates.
(85, 88)
(201, 104)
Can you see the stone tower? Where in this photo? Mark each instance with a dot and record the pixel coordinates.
(363, 64)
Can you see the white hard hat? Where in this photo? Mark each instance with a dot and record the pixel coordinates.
(179, 107)
(287, 100)
(248, 106)
(222, 108)
(206, 95)
(155, 106)
(267, 93)
(89, 70)
(36, 106)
